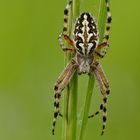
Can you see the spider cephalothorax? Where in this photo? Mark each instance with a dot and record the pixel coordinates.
(86, 52)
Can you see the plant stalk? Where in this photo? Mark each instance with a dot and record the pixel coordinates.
(101, 26)
(74, 85)
(70, 97)
(87, 106)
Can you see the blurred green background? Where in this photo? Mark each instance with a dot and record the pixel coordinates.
(31, 60)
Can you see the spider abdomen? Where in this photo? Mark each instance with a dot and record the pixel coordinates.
(85, 34)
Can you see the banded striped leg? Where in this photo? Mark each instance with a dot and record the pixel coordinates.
(102, 48)
(61, 83)
(101, 106)
(103, 77)
(64, 34)
(104, 90)
(106, 84)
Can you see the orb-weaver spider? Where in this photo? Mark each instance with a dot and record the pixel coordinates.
(86, 52)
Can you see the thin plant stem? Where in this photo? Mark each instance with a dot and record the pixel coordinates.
(101, 26)
(76, 9)
(74, 86)
(70, 97)
(102, 19)
(65, 131)
(87, 106)
(65, 115)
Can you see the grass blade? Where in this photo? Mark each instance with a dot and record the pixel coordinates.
(101, 26)
(70, 97)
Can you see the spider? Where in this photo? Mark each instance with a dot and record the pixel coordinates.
(86, 51)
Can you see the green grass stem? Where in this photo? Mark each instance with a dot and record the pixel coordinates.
(101, 26)
(87, 106)
(70, 97)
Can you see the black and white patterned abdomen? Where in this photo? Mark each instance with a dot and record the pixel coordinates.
(85, 34)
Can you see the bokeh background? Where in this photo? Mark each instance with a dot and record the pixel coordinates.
(31, 60)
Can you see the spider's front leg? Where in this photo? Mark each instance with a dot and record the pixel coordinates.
(104, 88)
(102, 47)
(61, 83)
(64, 34)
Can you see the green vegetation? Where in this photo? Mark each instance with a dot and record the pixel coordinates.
(31, 60)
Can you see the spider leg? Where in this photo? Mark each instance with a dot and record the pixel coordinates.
(103, 77)
(104, 88)
(102, 48)
(106, 84)
(68, 39)
(94, 114)
(64, 34)
(60, 114)
(61, 83)
(104, 103)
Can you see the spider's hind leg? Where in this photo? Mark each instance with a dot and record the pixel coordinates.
(105, 83)
(104, 88)
(96, 113)
(61, 83)
(103, 78)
